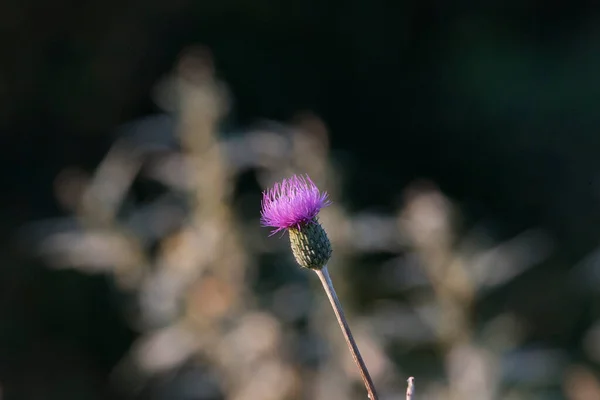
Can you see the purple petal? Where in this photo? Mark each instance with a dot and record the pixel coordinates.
(291, 203)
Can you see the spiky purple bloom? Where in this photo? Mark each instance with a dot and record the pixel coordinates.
(292, 203)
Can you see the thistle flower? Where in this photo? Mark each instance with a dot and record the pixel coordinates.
(293, 205)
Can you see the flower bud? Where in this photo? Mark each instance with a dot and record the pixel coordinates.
(310, 245)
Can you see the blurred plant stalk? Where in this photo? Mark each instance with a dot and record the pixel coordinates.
(410, 389)
(194, 301)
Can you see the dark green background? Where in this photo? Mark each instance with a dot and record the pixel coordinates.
(497, 102)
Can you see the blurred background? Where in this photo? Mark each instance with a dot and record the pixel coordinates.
(458, 142)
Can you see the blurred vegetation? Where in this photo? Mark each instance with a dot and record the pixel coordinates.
(458, 141)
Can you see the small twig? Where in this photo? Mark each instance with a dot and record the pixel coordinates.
(410, 390)
(339, 313)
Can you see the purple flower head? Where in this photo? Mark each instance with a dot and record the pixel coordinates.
(292, 203)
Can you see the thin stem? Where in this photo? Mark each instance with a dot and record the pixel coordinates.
(339, 313)
(410, 390)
